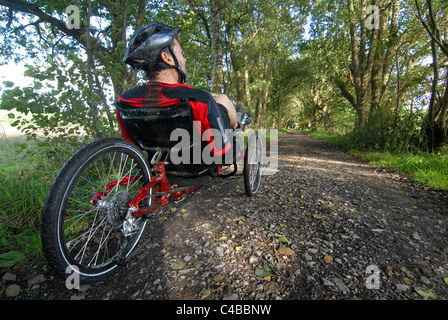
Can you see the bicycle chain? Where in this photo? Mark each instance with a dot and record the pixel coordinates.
(158, 194)
(152, 236)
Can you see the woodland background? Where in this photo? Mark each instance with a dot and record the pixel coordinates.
(376, 85)
(312, 64)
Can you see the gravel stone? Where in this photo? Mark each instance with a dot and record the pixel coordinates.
(348, 224)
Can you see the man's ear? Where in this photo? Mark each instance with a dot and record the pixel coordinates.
(167, 58)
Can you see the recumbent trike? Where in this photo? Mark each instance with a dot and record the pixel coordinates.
(99, 203)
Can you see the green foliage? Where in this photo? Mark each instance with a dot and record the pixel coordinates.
(387, 131)
(10, 258)
(430, 170)
(382, 74)
(384, 131)
(22, 196)
(27, 170)
(58, 101)
(74, 88)
(282, 75)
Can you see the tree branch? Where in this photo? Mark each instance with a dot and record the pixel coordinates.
(435, 37)
(80, 35)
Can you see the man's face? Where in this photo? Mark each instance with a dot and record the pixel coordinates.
(180, 57)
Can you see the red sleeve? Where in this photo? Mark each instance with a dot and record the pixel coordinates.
(201, 112)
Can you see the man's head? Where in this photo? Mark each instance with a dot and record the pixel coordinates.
(154, 48)
(172, 60)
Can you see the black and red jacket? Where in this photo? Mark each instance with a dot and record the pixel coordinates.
(204, 109)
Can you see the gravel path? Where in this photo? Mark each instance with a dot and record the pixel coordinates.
(325, 226)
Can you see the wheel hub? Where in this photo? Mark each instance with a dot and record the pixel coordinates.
(118, 208)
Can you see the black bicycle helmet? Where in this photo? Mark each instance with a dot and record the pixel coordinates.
(147, 42)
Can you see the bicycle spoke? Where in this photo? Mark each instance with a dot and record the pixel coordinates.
(83, 222)
(98, 243)
(90, 234)
(103, 240)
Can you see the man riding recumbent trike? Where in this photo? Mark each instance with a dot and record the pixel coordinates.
(175, 139)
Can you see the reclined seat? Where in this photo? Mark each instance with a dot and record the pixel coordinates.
(151, 127)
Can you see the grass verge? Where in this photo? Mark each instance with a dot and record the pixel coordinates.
(429, 170)
(27, 169)
(23, 190)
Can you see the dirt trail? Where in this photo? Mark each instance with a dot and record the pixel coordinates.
(325, 226)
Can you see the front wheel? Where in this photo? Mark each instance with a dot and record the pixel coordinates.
(253, 163)
(86, 224)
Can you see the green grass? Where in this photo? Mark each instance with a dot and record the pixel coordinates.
(333, 139)
(430, 170)
(27, 169)
(22, 194)
(24, 182)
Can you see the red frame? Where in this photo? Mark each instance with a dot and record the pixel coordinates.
(123, 182)
(158, 182)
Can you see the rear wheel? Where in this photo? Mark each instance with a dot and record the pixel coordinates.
(253, 162)
(85, 220)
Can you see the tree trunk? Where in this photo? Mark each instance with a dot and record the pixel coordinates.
(384, 49)
(91, 99)
(435, 127)
(216, 46)
(442, 121)
(236, 68)
(362, 67)
(247, 84)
